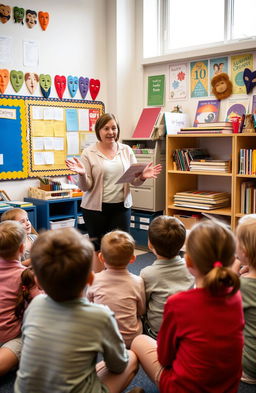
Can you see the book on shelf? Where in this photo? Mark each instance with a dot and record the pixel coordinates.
(183, 157)
(210, 165)
(201, 206)
(204, 194)
(202, 200)
(247, 162)
(19, 203)
(215, 124)
(205, 130)
(248, 197)
(207, 111)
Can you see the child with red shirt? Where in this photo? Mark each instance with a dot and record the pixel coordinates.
(199, 345)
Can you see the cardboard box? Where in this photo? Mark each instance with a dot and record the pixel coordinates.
(188, 221)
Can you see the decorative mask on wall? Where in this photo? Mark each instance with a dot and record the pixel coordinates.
(72, 85)
(4, 80)
(43, 18)
(18, 15)
(221, 86)
(31, 18)
(249, 78)
(94, 88)
(17, 79)
(60, 85)
(31, 80)
(5, 13)
(83, 86)
(45, 82)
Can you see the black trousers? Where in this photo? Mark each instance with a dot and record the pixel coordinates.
(113, 216)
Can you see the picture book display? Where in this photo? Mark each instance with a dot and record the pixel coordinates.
(207, 111)
(146, 123)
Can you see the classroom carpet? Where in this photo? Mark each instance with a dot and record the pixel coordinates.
(141, 379)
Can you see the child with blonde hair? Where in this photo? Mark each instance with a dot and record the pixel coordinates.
(62, 332)
(199, 345)
(168, 274)
(116, 287)
(246, 253)
(12, 246)
(21, 216)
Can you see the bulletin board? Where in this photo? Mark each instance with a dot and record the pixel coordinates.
(57, 130)
(13, 144)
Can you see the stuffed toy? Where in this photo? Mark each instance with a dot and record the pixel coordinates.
(221, 86)
(249, 78)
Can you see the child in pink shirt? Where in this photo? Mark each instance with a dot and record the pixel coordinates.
(12, 246)
(122, 291)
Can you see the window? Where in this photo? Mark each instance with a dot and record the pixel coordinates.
(174, 25)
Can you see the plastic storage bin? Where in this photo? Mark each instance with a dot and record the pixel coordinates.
(139, 225)
(62, 223)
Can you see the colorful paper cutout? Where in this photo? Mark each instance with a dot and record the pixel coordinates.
(31, 80)
(18, 15)
(17, 79)
(4, 80)
(43, 18)
(45, 82)
(5, 13)
(94, 87)
(31, 18)
(83, 86)
(60, 85)
(72, 85)
(249, 78)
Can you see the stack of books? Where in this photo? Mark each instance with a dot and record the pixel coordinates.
(203, 200)
(210, 165)
(219, 127)
(183, 157)
(20, 204)
(4, 206)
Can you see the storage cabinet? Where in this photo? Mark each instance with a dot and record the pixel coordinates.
(220, 146)
(57, 210)
(150, 196)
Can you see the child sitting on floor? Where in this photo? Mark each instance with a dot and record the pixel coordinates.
(63, 332)
(199, 345)
(168, 274)
(246, 252)
(26, 290)
(21, 215)
(12, 245)
(116, 287)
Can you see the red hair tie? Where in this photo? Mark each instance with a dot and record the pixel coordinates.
(217, 264)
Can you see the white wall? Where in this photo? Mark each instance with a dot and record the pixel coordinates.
(73, 44)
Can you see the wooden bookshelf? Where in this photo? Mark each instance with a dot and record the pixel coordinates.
(220, 146)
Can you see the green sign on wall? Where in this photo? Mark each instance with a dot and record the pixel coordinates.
(156, 90)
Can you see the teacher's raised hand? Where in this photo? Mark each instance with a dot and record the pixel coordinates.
(75, 165)
(151, 171)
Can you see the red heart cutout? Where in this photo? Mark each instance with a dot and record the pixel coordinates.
(94, 88)
(60, 85)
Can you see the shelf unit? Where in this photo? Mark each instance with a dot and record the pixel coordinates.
(147, 197)
(56, 210)
(220, 146)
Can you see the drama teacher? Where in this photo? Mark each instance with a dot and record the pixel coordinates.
(106, 205)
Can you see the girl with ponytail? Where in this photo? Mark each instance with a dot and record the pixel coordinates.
(199, 345)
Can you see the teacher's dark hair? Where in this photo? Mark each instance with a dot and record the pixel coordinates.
(102, 121)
